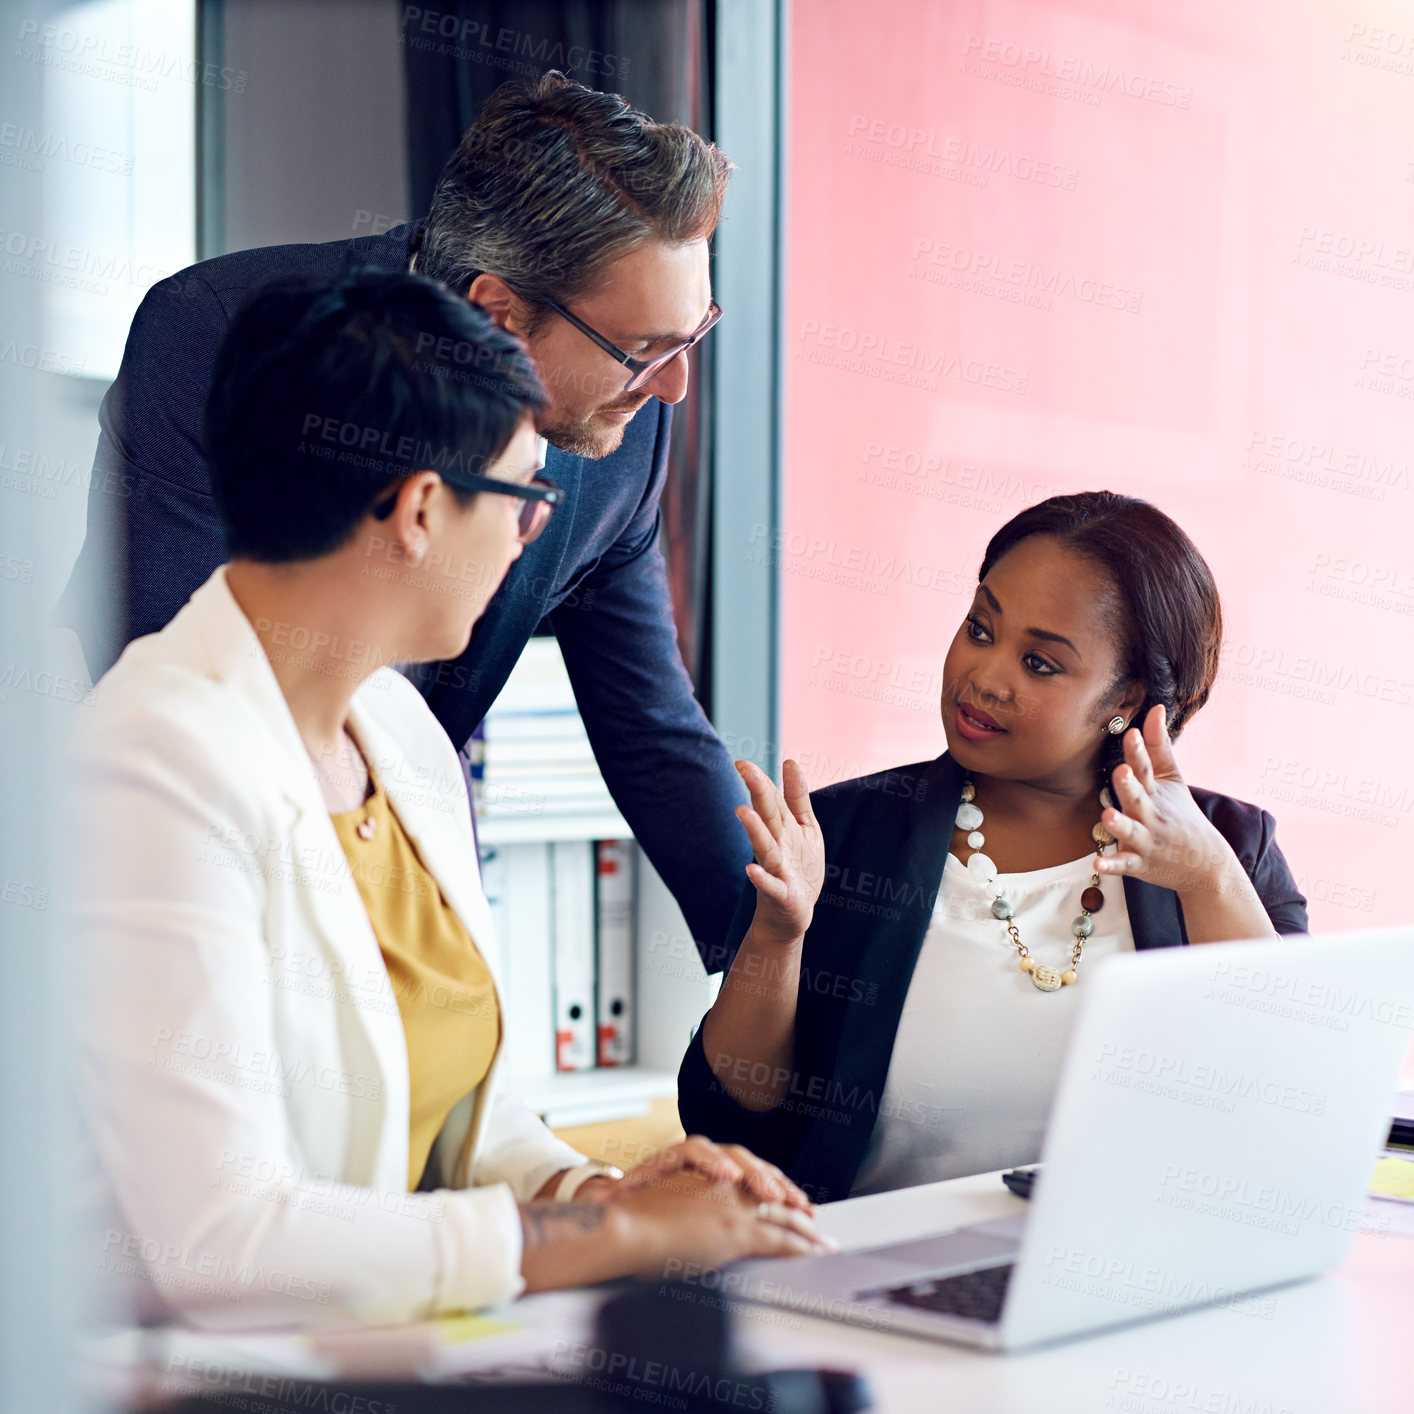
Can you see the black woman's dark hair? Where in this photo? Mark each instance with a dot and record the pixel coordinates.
(326, 393)
(1167, 620)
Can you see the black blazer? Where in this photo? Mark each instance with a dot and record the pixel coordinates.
(886, 840)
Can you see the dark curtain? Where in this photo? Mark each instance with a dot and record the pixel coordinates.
(658, 54)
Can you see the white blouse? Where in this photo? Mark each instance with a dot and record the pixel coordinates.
(979, 1046)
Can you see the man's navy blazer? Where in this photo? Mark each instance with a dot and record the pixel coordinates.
(886, 840)
(595, 575)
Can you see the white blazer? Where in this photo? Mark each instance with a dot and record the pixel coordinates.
(240, 1053)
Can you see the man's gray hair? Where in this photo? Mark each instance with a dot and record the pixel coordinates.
(554, 181)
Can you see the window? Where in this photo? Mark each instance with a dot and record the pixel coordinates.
(117, 153)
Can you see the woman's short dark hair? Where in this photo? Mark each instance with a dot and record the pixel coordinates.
(328, 392)
(1168, 621)
(553, 182)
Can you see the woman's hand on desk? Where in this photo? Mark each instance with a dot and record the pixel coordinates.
(1166, 839)
(656, 1230)
(789, 867)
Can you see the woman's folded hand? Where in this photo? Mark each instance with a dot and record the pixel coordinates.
(698, 1159)
(691, 1221)
(666, 1217)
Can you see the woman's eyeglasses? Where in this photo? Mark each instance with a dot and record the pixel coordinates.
(539, 498)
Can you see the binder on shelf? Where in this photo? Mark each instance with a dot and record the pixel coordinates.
(614, 950)
(535, 757)
(507, 727)
(572, 870)
(539, 751)
(518, 885)
(548, 827)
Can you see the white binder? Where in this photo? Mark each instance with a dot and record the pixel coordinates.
(517, 880)
(614, 902)
(572, 870)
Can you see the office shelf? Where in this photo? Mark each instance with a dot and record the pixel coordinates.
(671, 989)
(535, 829)
(594, 1096)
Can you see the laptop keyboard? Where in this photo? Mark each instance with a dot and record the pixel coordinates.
(977, 1296)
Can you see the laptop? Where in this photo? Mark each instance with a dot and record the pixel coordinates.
(1218, 1117)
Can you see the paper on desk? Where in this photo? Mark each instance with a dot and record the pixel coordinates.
(538, 1336)
(405, 1351)
(1389, 1207)
(130, 1366)
(1394, 1178)
(526, 1339)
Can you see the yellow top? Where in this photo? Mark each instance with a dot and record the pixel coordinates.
(445, 994)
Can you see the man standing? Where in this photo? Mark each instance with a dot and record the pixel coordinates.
(580, 225)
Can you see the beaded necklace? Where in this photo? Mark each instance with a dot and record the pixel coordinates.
(984, 870)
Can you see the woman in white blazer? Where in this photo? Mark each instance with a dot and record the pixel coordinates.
(241, 1053)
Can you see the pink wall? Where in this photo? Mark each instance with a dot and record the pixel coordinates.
(1161, 249)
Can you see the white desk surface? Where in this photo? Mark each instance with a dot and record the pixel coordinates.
(1342, 1344)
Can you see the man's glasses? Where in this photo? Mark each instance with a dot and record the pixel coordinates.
(641, 371)
(539, 498)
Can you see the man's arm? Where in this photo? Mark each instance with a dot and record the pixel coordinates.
(666, 768)
(154, 534)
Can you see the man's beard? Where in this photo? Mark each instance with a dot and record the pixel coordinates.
(583, 437)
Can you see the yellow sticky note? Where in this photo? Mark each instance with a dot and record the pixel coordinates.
(456, 1330)
(1394, 1178)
